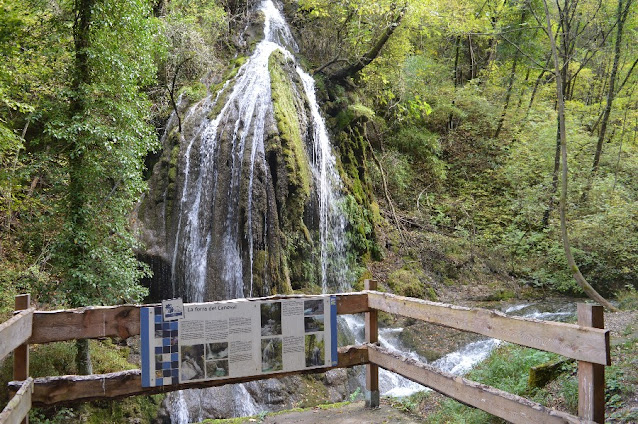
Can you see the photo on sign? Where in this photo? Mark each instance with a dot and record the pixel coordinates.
(216, 369)
(192, 362)
(313, 307)
(216, 351)
(313, 324)
(271, 355)
(271, 319)
(315, 350)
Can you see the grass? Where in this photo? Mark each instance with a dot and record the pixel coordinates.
(508, 369)
(59, 359)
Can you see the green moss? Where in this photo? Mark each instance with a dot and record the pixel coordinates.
(503, 294)
(195, 91)
(406, 283)
(431, 294)
(260, 259)
(356, 112)
(229, 75)
(287, 117)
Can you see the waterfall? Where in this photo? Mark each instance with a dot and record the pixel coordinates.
(332, 222)
(217, 225)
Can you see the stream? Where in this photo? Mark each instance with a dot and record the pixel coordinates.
(460, 361)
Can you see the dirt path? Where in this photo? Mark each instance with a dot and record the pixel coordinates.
(351, 413)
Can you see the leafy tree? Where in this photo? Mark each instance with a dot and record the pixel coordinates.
(105, 136)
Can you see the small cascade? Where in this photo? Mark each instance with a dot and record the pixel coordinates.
(390, 384)
(246, 405)
(177, 408)
(332, 222)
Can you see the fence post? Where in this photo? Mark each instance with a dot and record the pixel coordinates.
(591, 377)
(21, 354)
(372, 336)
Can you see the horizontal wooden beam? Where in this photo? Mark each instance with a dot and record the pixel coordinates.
(74, 388)
(19, 405)
(352, 303)
(85, 323)
(15, 331)
(124, 321)
(505, 405)
(570, 340)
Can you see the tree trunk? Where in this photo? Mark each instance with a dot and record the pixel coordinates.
(536, 85)
(578, 276)
(510, 84)
(77, 190)
(508, 96)
(555, 173)
(620, 23)
(366, 59)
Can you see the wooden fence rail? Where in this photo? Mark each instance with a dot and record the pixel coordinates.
(570, 340)
(15, 332)
(586, 341)
(18, 407)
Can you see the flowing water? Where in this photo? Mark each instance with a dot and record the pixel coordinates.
(209, 206)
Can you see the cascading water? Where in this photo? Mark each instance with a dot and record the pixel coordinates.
(224, 170)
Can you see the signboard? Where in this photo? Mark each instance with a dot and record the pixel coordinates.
(237, 338)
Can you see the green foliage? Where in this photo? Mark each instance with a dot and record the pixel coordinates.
(107, 135)
(628, 298)
(507, 369)
(360, 233)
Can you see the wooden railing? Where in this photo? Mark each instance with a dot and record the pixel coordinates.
(586, 342)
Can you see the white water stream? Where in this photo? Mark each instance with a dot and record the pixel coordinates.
(249, 104)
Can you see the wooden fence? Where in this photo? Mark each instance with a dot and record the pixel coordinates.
(587, 342)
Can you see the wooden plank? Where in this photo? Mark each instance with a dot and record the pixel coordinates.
(352, 303)
(124, 321)
(15, 331)
(591, 377)
(18, 407)
(571, 340)
(86, 323)
(74, 388)
(372, 395)
(497, 402)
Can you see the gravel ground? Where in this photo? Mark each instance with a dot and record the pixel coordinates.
(622, 324)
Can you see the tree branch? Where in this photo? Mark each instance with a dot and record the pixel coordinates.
(366, 59)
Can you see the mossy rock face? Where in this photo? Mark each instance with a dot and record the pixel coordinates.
(287, 107)
(195, 91)
(288, 160)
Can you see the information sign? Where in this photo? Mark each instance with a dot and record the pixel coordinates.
(238, 338)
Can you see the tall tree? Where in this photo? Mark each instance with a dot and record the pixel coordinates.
(562, 135)
(621, 18)
(106, 136)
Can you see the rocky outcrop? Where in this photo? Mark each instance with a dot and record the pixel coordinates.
(233, 207)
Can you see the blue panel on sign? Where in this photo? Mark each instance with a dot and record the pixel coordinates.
(144, 330)
(333, 330)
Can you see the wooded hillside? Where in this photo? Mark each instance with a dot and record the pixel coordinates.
(444, 118)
